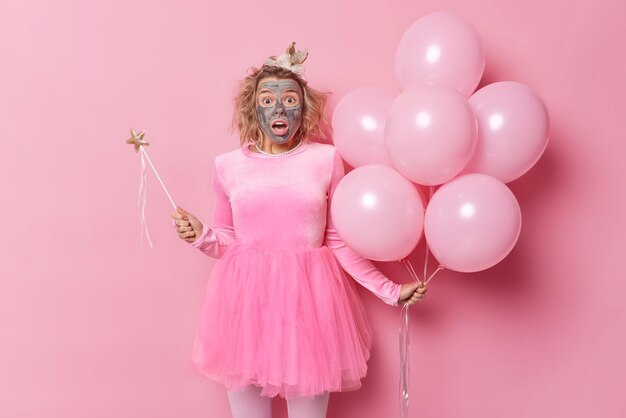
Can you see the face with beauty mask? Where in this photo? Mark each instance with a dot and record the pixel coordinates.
(279, 108)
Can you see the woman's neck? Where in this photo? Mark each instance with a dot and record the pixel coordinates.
(271, 147)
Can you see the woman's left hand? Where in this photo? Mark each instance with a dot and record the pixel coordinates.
(412, 293)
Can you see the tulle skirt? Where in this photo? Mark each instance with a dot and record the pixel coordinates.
(289, 321)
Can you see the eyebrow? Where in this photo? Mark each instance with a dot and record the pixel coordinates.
(286, 90)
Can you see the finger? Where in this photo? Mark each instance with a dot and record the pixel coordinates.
(184, 228)
(181, 214)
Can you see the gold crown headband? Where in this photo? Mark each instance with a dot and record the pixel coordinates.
(292, 60)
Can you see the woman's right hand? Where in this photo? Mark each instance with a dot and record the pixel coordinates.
(188, 226)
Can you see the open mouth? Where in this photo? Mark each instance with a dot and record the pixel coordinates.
(279, 127)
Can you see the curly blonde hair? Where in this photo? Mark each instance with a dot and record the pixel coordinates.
(245, 119)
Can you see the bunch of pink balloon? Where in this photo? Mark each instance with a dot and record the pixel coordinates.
(437, 132)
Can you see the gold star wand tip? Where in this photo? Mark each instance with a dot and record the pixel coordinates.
(137, 139)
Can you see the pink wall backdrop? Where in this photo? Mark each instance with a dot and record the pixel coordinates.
(93, 324)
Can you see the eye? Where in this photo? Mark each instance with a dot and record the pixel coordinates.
(266, 100)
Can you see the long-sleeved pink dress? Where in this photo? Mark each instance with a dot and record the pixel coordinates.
(279, 311)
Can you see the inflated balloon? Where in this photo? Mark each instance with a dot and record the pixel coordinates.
(358, 126)
(378, 213)
(472, 223)
(513, 127)
(430, 133)
(441, 48)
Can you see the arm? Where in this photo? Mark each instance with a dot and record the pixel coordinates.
(214, 240)
(360, 268)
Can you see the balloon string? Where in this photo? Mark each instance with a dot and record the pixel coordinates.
(404, 361)
(158, 177)
(435, 272)
(404, 347)
(411, 270)
(403, 332)
(141, 202)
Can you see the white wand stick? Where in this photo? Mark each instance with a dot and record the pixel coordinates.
(158, 177)
(137, 140)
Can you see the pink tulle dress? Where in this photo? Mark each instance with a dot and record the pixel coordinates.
(279, 311)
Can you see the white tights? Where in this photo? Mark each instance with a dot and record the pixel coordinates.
(248, 403)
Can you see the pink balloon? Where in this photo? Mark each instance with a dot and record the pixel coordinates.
(513, 130)
(430, 133)
(441, 48)
(358, 126)
(378, 213)
(472, 223)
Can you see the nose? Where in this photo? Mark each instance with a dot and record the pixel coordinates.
(279, 110)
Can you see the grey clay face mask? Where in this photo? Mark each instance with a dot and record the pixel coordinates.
(279, 108)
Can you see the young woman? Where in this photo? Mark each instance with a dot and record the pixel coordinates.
(280, 317)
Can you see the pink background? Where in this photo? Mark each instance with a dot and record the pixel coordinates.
(93, 324)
